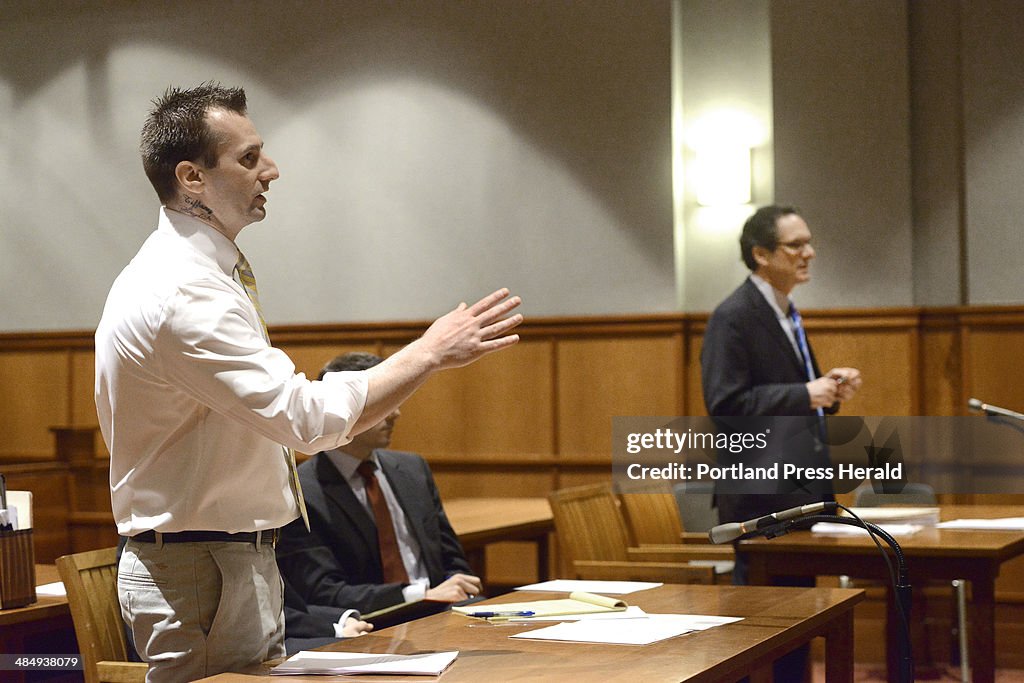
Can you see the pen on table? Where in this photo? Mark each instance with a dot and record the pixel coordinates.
(488, 615)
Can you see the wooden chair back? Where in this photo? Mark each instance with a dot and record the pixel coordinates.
(593, 535)
(663, 572)
(588, 523)
(652, 516)
(90, 579)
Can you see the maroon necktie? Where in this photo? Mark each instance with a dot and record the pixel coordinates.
(390, 556)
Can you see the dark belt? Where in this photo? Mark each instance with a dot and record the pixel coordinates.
(254, 537)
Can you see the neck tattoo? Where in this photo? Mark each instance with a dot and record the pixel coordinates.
(194, 207)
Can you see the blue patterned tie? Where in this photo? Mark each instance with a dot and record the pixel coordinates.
(801, 342)
(245, 277)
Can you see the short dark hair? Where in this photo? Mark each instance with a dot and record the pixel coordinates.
(354, 360)
(760, 230)
(176, 130)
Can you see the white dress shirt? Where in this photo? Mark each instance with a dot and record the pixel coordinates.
(409, 548)
(193, 403)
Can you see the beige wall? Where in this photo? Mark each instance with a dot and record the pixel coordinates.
(431, 151)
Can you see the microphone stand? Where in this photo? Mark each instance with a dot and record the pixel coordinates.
(901, 586)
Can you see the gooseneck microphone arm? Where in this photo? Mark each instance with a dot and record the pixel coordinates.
(993, 411)
(901, 586)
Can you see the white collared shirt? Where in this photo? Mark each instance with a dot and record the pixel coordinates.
(777, 300)
(193, 403)
(419, 579)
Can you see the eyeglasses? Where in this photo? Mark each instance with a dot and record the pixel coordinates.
(796, 246)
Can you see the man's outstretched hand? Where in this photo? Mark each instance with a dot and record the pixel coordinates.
(469, 332)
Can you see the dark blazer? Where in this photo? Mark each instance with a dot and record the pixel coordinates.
(307, 626)
(337, 564)
(749, 368)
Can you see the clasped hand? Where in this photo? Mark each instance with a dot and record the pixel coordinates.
(837, 385)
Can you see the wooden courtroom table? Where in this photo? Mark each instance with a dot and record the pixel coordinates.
(931, 553)
(44, 627)
(775, 621)
(478, 522)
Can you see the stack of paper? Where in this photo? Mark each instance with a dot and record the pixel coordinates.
(923, 516)
(346, 663)
(836, 528)
(1001, 524)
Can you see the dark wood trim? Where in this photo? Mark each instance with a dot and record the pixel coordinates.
(571, 326)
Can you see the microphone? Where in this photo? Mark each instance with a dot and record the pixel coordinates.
(723, 533)
(975, 404)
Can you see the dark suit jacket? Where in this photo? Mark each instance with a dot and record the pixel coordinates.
(749, 368)
(307, 626)
(337, 564)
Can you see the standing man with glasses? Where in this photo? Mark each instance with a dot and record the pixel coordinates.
(199, 411)
(756, 361)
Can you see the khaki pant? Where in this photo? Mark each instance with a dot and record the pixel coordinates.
(199, 609)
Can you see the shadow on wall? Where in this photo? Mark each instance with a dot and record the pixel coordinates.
(586, 83)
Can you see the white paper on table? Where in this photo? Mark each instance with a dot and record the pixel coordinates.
(850, 530)
(631, 612)
(573, 585)
(316, 662)
(55, 589)
(616, 632)
(695, 622)
(1001, 524)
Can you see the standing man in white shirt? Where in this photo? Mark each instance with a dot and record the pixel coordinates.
(195, 404)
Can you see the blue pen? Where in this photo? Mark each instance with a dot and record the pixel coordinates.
(488, 615)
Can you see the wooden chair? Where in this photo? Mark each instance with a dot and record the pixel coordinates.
(90, 579)
(592, 532)
(652, 516)
(653, 519)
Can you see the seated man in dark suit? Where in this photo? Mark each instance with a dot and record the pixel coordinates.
(309, 626)
(378, 534)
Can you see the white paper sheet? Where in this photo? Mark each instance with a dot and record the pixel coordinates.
(340, 663)
(634, 632)
(572, 585)
(54, 589)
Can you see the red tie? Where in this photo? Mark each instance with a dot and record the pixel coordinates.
(390, 557)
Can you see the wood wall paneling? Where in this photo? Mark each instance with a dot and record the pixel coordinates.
(993, 370)
(311, 358)
(36, 387)
(82, 389)
(499, 407)
(940, 368)
(538, 416)
(598, 379)
(886, 359)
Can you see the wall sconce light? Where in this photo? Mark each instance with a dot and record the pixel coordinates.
(722, 140)
(721, 174)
